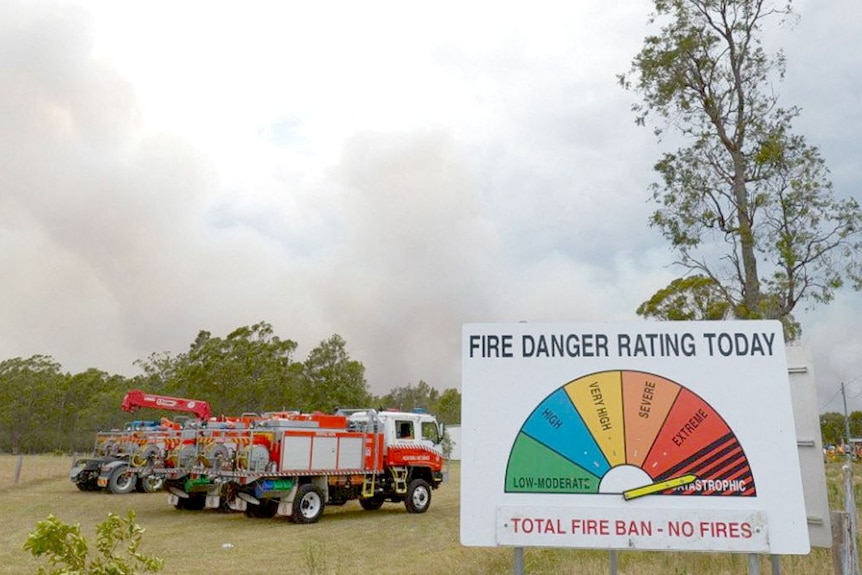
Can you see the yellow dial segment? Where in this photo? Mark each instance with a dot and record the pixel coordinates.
(598, 399)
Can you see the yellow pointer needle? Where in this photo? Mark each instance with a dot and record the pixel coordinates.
(660, 486)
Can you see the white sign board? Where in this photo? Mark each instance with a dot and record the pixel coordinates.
(668, 435)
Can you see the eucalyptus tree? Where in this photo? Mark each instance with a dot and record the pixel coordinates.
(30, 392)
(411, 397)
(694, 297)
(744, 201)
(249, 370)
(448, 408)
(832, 428)
(331, 379)
(446, 405)
(89, 401)
(246, 371)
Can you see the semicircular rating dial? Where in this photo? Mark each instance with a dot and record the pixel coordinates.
(627, 432)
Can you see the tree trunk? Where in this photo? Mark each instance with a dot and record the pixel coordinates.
(750, 281)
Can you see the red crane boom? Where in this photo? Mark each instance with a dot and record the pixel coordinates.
(136, 399)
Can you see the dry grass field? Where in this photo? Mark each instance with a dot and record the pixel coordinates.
(346, 540)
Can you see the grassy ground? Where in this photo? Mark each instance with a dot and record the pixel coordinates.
(346, 540)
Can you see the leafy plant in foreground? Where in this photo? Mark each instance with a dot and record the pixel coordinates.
(68, 553)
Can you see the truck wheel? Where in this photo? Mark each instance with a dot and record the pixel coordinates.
(151, 483)
(372, 503)
(89, 484)
(122, 481)
(265, 510)
(308, 504)
(418, 496)
(87, 481)
(192, 503)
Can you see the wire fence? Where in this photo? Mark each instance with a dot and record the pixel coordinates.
(22, 469)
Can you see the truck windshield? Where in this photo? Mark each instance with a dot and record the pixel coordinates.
(429, 431)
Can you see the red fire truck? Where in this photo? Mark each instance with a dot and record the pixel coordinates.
(294, 464)
(124, 460)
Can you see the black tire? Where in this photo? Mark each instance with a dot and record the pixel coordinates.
(308, 504)
(88, 486)
(418, 498)
(265, 510)
(151, 483)
(192, 503)
(122, 480)
(88, 481)
(372, 503)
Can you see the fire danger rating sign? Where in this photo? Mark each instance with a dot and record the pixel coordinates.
(648, 436)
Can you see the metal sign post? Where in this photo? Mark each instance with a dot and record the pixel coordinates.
(519, 561)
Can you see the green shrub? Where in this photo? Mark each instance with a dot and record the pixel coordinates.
(67, 551)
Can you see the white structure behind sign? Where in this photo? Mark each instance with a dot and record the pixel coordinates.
(644, 436)
(803, 392)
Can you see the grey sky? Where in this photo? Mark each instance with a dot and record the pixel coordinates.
(377, 171)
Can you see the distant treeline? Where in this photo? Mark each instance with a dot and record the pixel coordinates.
(251, 370)
(833, 427)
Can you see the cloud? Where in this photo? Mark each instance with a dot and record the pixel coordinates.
(382, 176)
(416, 254)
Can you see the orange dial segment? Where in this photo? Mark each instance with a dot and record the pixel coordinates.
(648, 399)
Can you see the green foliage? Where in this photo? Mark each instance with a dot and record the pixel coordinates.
(40, 407)
(330, 379)
(235, 374)
(446, 406)
(249, 370)
(745, 202)
(43, 409)
(29, 389)
(832, 428)
(855, 421)
(116, 549)
(694, 297)
(698, 297)
(447, 444)
(90, 403)
(409, 398)
(253, 370)
(319, 559)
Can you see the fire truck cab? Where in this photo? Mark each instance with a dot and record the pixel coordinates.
(400, 426)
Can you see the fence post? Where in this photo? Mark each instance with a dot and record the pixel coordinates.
(839, 520)
(852, 559)
(18, 465)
